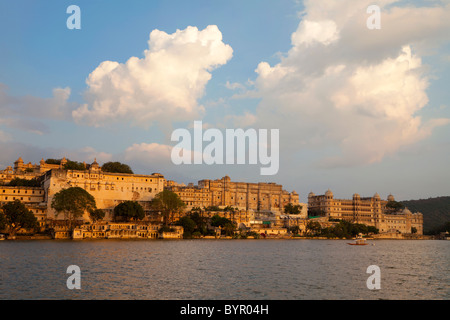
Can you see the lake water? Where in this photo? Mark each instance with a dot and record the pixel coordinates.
(224, 269)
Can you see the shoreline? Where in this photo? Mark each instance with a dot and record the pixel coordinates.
(47, 237)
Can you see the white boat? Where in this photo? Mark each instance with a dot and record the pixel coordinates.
(359, 242)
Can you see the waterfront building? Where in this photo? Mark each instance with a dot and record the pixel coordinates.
(31, 197)
(28, 171)
(108, 189)
(223, 192)
(113, 230)
(370, 211)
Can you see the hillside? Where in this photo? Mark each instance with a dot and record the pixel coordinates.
(436, 211)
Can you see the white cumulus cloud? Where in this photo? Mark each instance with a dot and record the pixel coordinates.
(353, 93)
(164, 85)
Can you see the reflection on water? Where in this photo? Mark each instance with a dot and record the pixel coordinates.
(224, 269)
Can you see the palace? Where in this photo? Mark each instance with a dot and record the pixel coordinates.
(370, 211)
(110, 189)
(241, 195)
(255, 206)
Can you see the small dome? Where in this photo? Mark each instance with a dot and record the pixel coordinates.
(376, 196)
(20, 160)
(406, 211)
(356, 196)
(311, 194)
(95, 164)
(329, 193)
(391, 197)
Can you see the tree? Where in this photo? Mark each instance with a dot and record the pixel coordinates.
(2, 221)
(17, 216)
(226, 224)
(314, 227)
(167, 202)
(74, 165)
(188, 225)
(291, 209)
(73, 202)
(19, 182)
(394, 206)
(199, 221)
(53, 161)
(129, 210)
(97, 214)
(116, 167)
(218, 221)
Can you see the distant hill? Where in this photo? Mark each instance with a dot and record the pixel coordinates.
(436, 211)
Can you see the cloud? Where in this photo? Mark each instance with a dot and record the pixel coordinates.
(27, 113)
(165, 85)
(353, 93)
(57, 107)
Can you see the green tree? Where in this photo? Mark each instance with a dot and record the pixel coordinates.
(394, 206)
(116, 167)
(19, 182)
(129, 210)
(218, 221)
(313, 227)
(199, 220)
(168, 202)
(53, 161)
(74, 165)
(225, 224)
(291, 209)
(188, 225)
(17, 216)
(97, 215)
(2, 221)
(73, 203)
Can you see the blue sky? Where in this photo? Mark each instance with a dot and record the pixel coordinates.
(304, 68)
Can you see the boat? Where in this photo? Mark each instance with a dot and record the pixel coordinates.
(358, 242)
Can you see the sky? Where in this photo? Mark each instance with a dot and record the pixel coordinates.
(358, 109)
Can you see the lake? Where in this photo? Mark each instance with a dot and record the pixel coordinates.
(224, 269)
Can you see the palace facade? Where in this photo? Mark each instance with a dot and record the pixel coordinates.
(370, 211)
(241, 195)
(110, 189)
(256, 205)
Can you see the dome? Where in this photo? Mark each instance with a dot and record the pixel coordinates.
(391, 197)
(356, 196)
(376, 196)
(311, 194)
(95, 164)
(406, 211)
(20, 160)
(329, 193)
